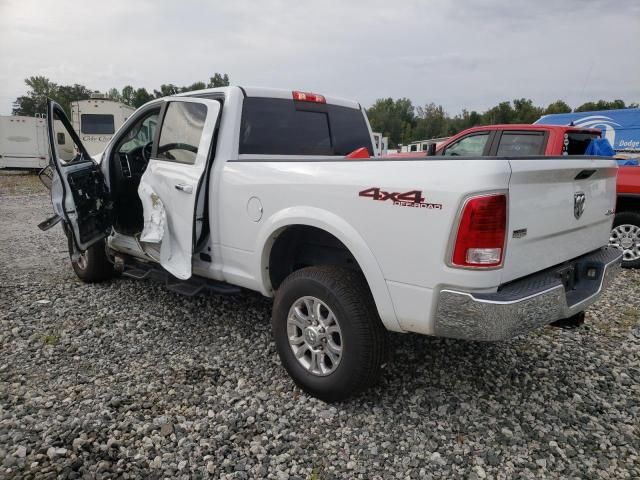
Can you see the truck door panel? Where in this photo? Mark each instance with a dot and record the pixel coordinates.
(174, 179)
(79, 193)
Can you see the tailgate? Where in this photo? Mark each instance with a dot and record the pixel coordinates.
(559, 208)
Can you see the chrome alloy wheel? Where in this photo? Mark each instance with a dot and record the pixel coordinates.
(626, 237)
(314, 336)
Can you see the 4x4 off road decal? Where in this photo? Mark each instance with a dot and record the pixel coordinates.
(412, 198)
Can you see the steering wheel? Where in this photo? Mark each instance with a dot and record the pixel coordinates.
(177, 146)
(145, 151)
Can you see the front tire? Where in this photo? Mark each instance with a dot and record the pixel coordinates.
(327, 332)
(93, 266)
(625, 235)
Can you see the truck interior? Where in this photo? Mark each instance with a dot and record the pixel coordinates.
(127, 164)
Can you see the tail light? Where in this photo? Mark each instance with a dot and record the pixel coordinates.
(308, 97)
(481, 233)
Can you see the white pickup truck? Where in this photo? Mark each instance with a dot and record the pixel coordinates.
(281, 192)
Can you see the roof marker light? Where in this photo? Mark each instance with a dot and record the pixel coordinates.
(308, 97)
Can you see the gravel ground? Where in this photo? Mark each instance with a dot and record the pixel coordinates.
(125, 379)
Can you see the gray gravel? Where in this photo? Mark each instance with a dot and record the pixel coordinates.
(125, 379)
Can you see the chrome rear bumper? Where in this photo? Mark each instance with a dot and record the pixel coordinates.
(527, 303)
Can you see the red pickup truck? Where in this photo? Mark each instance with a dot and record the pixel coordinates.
(544, 140)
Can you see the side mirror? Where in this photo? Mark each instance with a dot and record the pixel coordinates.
(46, 176)
(431, 149)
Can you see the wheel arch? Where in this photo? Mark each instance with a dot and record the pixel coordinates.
(330, 224)
(628, 203)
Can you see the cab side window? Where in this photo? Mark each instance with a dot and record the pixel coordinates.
(181, 132)
(517, 144)
(470, 146)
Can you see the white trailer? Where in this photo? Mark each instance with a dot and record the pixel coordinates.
(97, 119)
(381, 144)
(421, 145)
(23, 142)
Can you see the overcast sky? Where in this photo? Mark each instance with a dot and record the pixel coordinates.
(461, 54)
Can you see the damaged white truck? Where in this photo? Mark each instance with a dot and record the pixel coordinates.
(282, 192)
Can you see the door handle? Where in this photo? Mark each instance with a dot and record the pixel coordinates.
(184, 188)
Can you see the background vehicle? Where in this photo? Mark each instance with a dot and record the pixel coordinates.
(419, 146)
(622, 129)
(543, 139)
(519, 140)
(380, 143)
(23, 142)
(97, 119)
(626, 226)
(278, 192)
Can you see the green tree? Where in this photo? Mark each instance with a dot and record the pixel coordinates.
(114, 94)
(601, 105)
(66, 94)
(41, 88)
(501, 113)
(559, 106)
(393, 118)
(194, 86)
(127, 95)
(524, 111)
(35, 101)
(431, 122)
(218, 80)
(140, 97)
(167, 90)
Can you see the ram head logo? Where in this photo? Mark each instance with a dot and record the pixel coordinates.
(578, 204)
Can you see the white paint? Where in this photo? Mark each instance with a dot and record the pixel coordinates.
(403, 251)
(179, 205)
(155, 216)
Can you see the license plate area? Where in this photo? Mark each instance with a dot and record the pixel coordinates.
(568, 276)
(580, 279)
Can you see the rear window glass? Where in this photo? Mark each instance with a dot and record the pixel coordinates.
(520, 143)
(97, 124)
(275, 126)
(576, 143)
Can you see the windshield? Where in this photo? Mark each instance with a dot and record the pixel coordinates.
(141, 133)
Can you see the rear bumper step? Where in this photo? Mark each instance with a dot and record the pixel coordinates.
(528, 303)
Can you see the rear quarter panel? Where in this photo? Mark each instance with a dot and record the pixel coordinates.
(407, 245)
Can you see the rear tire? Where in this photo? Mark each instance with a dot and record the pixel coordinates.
(626, 236)
(93, 266)
(344, 334)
